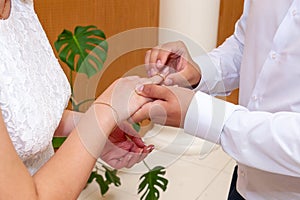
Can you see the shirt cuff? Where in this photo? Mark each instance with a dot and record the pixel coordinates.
(208, 72)
(206, 117)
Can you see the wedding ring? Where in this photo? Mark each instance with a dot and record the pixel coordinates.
(161, 75)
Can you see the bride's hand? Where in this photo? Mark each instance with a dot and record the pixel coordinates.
(115, 105)
(122, 95)
(124, 147)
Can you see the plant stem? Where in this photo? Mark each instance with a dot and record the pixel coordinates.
(71, 81)
(146, 165)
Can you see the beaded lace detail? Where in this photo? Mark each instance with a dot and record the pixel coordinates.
(34, 91)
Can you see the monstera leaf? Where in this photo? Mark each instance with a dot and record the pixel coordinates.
(84, 51)
(104, 186)
(111, 176)
(151, 181)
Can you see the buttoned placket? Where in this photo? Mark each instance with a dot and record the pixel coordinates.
(273, 57)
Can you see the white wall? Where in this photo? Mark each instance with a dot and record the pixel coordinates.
(196, 19)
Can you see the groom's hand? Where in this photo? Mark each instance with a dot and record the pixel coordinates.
(169, 105)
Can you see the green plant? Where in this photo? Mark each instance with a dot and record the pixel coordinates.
(85, 52)
(151, 182)
(110, 175)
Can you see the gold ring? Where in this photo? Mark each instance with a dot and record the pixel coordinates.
(160, 75)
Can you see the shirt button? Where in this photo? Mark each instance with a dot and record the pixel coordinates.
(255, 97)
(242, 173)
(273, 55)
(294, 12)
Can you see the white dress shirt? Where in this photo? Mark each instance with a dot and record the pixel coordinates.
(262, 59)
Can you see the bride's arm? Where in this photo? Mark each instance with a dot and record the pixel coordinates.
(124, 143)
(66, 173)
(68, 122)
(14, 175)
(62, 177)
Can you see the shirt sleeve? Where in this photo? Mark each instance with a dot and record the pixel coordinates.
(262, 140)
(220, 68)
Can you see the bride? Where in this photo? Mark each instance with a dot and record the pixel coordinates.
(33, 96)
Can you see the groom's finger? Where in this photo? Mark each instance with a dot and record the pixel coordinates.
(156, 92)
(155, 111)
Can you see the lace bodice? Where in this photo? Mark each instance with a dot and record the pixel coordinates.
(33, 88)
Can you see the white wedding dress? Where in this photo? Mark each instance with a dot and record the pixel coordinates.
(34, 90)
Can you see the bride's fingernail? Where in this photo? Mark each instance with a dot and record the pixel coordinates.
(139, 88)
(158, 64)
(168, 81)
(150, 148)
(149, 74)
(165, 71)
(153, 71)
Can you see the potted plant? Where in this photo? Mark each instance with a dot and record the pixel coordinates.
(85, 52)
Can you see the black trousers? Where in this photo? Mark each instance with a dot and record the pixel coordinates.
(233, 193)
